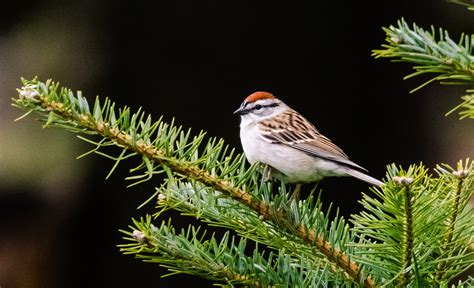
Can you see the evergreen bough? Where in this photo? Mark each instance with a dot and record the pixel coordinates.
(414, 231)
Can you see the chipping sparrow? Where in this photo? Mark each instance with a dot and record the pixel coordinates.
(276, 135)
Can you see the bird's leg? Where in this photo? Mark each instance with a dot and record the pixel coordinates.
(267, 172)
(296, 193)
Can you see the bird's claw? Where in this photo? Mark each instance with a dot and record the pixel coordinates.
(267, 172)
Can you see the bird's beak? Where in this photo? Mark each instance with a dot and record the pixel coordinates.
(241, 111)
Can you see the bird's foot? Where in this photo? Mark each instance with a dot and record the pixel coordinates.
(295, 195)
(266, 171)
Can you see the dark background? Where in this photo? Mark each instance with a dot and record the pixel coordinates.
(196, 61)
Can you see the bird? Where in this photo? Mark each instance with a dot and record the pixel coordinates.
(289, 145)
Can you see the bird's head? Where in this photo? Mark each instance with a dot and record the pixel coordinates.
(260, 106)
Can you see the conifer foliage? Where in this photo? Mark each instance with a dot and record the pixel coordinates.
(414, 231)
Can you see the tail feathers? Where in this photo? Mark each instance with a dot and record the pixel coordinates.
(364, 177)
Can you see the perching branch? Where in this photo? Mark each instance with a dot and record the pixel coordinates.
(132, 133)
(210, 182)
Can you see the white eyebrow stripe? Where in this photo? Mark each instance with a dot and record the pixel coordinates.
(265, 102)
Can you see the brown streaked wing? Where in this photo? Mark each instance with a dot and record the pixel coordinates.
(292, 129)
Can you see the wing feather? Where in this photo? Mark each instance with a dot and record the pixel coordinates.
(292, 129)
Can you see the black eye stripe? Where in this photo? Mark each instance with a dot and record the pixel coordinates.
(259, 106)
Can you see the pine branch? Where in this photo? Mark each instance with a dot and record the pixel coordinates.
(409, 249)
(452, 62)
(432, 53)
(407, 242)
(194, 199)
(452, 221)
(211, 182)
(166, 147)
(466, 107)
(219, 260)
(462, 180)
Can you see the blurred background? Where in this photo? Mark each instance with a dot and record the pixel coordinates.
(196, 61)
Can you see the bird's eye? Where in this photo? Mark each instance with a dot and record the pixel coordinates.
(258, 107)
